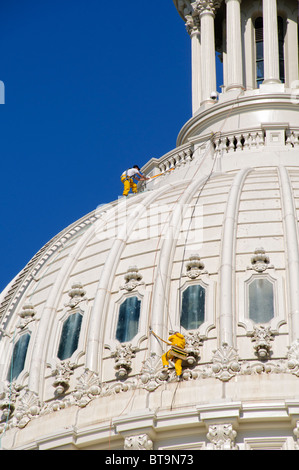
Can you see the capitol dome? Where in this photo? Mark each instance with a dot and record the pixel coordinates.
(207, 248)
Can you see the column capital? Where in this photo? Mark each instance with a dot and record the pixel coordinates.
(192, 24)
(201, 7)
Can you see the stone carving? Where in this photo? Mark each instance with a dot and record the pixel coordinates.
(262, 337)
(225, 363)
(62, 374)
(194, 266)
(76, 294)
(260, 261)
(123, 359)
(222, 437)
(133, 279)
(141, 442)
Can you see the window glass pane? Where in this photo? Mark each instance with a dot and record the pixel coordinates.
(128, 319)
(193, 307)
(260, 70)
(261, 301)
(259, 50)
(69, 336)
(18, 357)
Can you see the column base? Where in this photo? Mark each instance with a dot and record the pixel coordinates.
(272, 87)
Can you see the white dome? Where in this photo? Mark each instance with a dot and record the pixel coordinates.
(209, 248)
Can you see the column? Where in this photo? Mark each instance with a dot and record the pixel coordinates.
(206, 11)
(234, 45)
(192, 25)
(271, 54)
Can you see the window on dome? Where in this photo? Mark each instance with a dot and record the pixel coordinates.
(128, 319)
(70, 336)
(261, 300)
(18, 357)
(193, 307)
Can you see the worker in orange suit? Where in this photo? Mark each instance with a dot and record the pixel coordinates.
(177, 339)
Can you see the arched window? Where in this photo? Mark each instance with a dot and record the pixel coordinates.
(193, 307)
(18, 357)
(128, 319)
(281, 48)
(259, 50)
(261, 300)
(69, 338)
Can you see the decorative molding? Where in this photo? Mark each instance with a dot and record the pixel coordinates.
(76, 294)
(123, 356)
(27, 315)
(225, 363)
(222, 437)
(195, 267)
(262, 337)
(20, 405)
(62, 374)
(260, 261)
(140, 442)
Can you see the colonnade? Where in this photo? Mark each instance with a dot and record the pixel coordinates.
(201, 27)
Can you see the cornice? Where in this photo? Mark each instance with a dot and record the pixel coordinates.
(222, 111)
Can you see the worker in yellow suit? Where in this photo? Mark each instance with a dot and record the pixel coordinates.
(128, 177)
(177, 339)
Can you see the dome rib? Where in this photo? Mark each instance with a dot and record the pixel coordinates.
(227, 262)
(292, 255)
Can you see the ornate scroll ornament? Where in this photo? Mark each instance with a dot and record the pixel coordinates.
(225, 363)
(123, 359)
(141, 442)
(260, 261)
(195, 267)
(222, 437)
(133, 279)
(27, 315)
(77, 295)
(262, 337)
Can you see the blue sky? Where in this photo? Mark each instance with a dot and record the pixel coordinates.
(91, 88)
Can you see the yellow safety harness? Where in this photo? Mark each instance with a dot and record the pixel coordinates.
(176, 351)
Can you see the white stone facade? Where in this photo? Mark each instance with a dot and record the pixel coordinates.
(222, 215)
